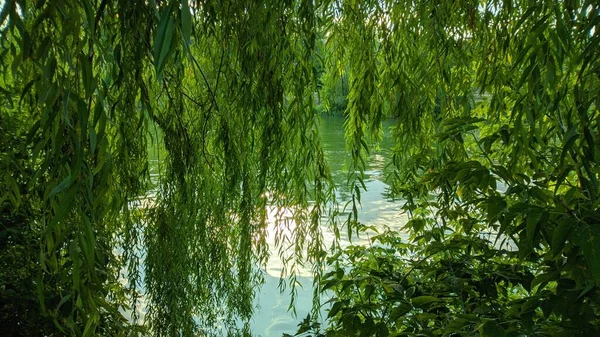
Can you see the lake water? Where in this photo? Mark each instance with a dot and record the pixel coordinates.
(272, 317)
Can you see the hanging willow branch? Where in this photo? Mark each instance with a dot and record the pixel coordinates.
(228, 89)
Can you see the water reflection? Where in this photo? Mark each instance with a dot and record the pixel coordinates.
(272, 318)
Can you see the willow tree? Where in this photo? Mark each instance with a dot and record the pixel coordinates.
(225, 91)
(496, 156)
(227, 88)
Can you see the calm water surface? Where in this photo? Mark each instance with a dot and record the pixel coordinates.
(272, 317)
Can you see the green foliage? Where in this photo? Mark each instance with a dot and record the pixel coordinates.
(464, 286)
(334, 95)
(495, 154)
(86, 85)
(496, 158)
(19, 308)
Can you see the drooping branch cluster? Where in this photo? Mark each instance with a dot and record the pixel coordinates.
(152, 139)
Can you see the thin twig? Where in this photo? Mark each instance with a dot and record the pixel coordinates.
(204, 151)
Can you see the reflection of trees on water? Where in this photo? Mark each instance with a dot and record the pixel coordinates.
(332, 137)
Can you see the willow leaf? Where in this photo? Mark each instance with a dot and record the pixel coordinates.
(163, 40)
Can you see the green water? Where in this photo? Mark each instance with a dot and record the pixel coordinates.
(332, 137)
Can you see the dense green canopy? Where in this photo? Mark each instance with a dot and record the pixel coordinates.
(497, 131)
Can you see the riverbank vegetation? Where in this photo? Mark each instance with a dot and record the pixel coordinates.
(496, 107)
